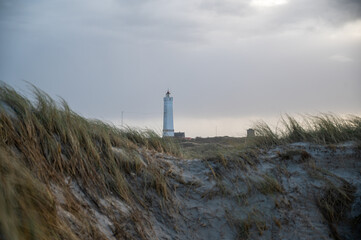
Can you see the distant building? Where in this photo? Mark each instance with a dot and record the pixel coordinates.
(179, 134)
(168, 129)
(250, 133)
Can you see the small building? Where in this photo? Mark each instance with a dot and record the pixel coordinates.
(179, 134)
(250, 133)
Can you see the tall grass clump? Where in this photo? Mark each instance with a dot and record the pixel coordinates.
(50, 143)
(27, 210)
(322, 129)
(265, 135)
(334, 203)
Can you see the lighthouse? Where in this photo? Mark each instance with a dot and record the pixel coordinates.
(168, 129)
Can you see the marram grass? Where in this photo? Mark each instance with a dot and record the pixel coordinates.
(44, 142)
(322, 129)
(27, 210)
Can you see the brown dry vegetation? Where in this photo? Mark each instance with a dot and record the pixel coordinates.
(44, 143)
(334, 204)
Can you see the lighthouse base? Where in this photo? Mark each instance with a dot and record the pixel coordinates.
(168, 133)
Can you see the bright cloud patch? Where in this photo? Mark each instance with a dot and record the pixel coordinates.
(267, 3)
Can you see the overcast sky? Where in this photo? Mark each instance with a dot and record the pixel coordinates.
(226, 62)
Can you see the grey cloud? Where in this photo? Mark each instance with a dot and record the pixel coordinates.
(177, 21)
(333, 12)
(224, 7)
(220, 58)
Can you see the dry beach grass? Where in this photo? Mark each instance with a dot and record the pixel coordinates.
(43, 142)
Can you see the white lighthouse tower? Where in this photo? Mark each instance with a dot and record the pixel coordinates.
(168, 129)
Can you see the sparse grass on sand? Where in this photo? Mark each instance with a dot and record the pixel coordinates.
(43, 142)
(268, 185)
(204, 148)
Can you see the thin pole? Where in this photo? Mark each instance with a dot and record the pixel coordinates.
(122, 118)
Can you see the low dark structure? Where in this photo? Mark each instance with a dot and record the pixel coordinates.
(179, 135)
(250, 133)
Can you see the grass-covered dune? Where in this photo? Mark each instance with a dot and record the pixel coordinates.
(43, 142)
(63, 176)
